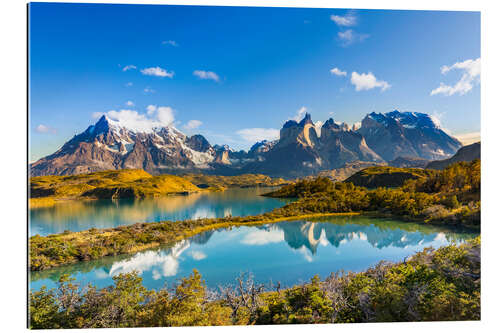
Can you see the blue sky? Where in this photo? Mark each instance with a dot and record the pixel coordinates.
(236, 74)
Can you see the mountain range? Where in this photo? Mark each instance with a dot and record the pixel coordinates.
(301, 150)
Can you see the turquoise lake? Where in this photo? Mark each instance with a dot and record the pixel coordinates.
(83, 215)
(289, 252)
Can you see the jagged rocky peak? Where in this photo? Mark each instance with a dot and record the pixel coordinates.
(331, 124)
(198, 142)
(328, 129)
(261, 147)
(413, 119)
(102, 125)
(222, 148)
(306, 120)
(109, 144)
(405, 119)
(339, 145)
(303, 132)
(222, 154)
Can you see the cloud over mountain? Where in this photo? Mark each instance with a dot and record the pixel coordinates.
(367, 81)
(156, 117)
(471, 76)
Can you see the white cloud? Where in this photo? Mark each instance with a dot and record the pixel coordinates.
(348, 20)
(129, 103)
(192, 124)
(436, 118)
(96, 115)
(206, 75)
(198, 255)
(129, 84)
(346, 35)
(44, 129)
(368, 81)
(165, 115)
(471, 76)
(350, 36)
(306, 253)
(150, 109)
(469, 138)
(300, 114)
(262, 237)
(157, 71)
(128, 67)
(258, 134)
(170, 42)
(338, 72)
(148, 90)
(156, 117)
(161, 264)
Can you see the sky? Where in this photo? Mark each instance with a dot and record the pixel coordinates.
(236, 74)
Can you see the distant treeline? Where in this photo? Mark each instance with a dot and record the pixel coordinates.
(433, 285)
(451, 196)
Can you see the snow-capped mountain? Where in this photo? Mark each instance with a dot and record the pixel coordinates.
(108, 145)
(412, 134)
(301, 149)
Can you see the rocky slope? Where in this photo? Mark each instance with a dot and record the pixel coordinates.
(306, 153)
(464, 154)
(408, 162)
(109, 146)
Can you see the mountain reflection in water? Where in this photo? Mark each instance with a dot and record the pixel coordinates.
(286, 251)
(83, 215)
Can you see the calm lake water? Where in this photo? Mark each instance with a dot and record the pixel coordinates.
(289, 252)
(83, 215)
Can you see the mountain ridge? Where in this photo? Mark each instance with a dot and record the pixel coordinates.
(301, 150)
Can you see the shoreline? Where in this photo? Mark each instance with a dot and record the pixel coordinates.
(138, 237)
(50, 201)
(173, 231)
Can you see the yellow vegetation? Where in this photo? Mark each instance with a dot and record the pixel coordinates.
(246, 180)
(106, 185)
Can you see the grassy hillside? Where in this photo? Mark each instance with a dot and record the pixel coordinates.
(246, 180)
(451, 196)
(114, 184)
(386, 176)
(346, 171)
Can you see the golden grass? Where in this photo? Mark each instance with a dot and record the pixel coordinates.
(41, 202)
(107, 184)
